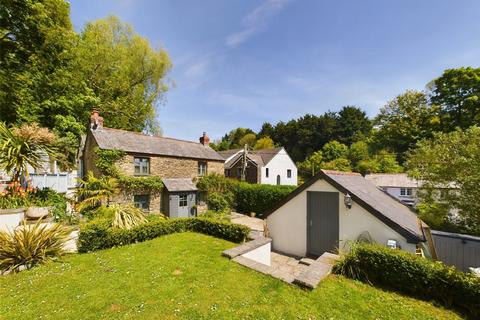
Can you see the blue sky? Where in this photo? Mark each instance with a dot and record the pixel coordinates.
(239, 63)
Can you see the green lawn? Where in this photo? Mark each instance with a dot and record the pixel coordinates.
(184, 276)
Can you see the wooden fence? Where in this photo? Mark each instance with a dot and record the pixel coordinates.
(459, 250)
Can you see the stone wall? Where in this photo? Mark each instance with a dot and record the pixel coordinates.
(170, 167)
(89, 155)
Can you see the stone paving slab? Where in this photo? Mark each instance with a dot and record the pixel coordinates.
(246, 247)
(317, 271)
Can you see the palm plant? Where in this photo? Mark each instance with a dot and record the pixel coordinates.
(94, 191)
(24, 146)
(127, 216)
(30, 245)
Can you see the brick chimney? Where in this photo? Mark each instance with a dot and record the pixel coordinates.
(204, 139)
(96, 122)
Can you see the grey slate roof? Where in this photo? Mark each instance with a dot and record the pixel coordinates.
(136, 142)
(179, 185)
(228, 153)
(363, 192)
(399, 180)
(260, 157)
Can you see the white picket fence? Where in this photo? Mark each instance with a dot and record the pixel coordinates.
(60, 182)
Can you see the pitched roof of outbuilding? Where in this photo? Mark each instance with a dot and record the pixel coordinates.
(179, 185)
(380, 204)
(135, 142)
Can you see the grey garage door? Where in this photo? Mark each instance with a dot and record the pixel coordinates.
(322, 222)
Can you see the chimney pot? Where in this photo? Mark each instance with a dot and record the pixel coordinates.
(204, 139)
(96, 121)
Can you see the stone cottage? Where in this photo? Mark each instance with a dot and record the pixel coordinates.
(177, 162)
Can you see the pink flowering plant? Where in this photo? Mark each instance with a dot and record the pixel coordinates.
(16, 196)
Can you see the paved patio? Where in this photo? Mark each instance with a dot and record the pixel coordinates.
(255, 224)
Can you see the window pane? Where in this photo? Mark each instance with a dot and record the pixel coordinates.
(182, 202)
(142, 201)
(289, 173)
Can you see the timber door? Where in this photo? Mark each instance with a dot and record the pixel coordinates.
(322, 222)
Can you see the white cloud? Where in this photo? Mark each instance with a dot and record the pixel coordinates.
(255, 22)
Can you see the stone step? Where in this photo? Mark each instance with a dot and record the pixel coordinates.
(306, 261)
(317, 271)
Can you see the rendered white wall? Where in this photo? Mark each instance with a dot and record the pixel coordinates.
(10, 221)
(279, 166)
(288, 224)
(260, 254)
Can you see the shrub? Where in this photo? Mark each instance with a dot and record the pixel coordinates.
(259, 198)
(217, 202)
(31, 245)
(99, 234)
(127, 216)
(412, 275)
(219, 184)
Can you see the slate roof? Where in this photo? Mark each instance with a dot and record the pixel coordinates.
(136, 142)
(259, 157)
(398, 180)
(179, 185)
(228, 153)
(363, 192)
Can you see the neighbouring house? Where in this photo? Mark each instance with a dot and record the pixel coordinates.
(333, 208)
(266, 166)
(177, 162)
(398, 185)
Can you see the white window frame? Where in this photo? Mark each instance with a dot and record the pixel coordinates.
(202, 168)
(183, 198)
(140, 204)
(403, 191)
(143, 165)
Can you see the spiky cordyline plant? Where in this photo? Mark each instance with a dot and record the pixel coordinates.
(127, 216)
(94, 191)
(30, 245)
(24, 146)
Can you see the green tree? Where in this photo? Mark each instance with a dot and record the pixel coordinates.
(404, 121)
(382, 162)
(352, 125)
(311, 165)
(451, 162)
(264, 143)
(249, 139)
(334, 150)
(339, 164)
(24, 146)
(458, 92)
(267, 130)
(124, 71)
(358, 151)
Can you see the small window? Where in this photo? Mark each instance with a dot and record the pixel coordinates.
(409, 191)
(266, 172)
(142, 201)
(403, 191)
(239, 172)
(202, 169)
(227, 172)
(289, 173)
(182, 200)
(142, 166)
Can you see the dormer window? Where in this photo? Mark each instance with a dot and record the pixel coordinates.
(142, 166)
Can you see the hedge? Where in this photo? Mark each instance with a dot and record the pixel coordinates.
(99, 234)
(412, 275)
(259, 198)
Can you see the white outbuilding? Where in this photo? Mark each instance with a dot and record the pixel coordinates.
(334, 208)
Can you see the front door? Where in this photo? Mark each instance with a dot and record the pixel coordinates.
(183, 207)
(322, 222)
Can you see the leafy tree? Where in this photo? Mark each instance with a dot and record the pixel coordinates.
(334, 150)
(382, 162)
(406, 120)
(352, 125)
(311, 165)
(249, 139)
(451, 162)
(339, 164)
(264, 143)
(94, 192)
(358, 151)
(457, 91)
(267, 130)
(22, 147)
(124, 71)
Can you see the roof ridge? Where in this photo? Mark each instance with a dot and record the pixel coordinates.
(343, 173)
(146, 135)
